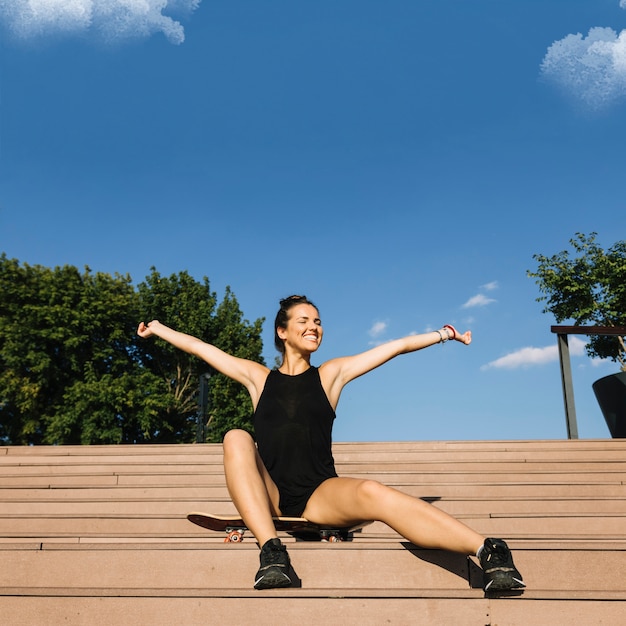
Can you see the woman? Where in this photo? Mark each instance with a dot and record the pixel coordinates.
(289, 470)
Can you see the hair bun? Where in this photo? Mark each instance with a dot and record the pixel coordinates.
(291, 300)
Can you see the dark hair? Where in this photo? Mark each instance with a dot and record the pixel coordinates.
(282, 317)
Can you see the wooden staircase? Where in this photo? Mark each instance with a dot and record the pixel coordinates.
(98, 535)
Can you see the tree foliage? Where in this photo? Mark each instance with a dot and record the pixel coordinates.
(183, 303)
(73, 370)
(587, 287)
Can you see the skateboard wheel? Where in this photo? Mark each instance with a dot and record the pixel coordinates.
(234, 536)
(335, 539)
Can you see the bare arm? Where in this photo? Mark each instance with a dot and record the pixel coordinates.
(249, 373)
(337, 373)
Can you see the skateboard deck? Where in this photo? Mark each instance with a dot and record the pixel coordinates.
(298, 527)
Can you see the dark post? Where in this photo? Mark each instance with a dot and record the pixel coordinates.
(566, 370)
(568, 387)
(203, 402)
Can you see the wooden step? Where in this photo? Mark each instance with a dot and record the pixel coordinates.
(271, 609)
(335, 567)
(99, 535)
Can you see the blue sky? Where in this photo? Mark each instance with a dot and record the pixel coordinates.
(399, 162)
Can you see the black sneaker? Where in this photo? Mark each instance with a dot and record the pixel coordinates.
(499, 572)
(274, 570)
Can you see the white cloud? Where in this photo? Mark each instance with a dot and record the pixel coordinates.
(527, 357)
(108, 19)
(377, 329)
(478, 300)
(481, 299)
(494, 284)
(592, 69)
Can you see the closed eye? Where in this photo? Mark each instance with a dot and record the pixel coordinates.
(304, 320)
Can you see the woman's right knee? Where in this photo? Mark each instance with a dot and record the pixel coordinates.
(237, 441)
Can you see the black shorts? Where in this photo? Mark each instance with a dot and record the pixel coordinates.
(293, 504)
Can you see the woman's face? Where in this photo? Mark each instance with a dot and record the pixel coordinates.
(304, 328)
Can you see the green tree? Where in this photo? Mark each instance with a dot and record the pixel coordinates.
(57, 327)
(588, 287)
(229, 402)
(191, 307)
(73, 370)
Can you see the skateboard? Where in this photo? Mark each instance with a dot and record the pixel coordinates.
(297, 527)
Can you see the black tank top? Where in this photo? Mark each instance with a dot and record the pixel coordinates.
(293, 425)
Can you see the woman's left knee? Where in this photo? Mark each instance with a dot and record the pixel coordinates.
(372, 490)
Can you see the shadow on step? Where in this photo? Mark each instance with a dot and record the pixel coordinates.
(454, 563)
(457, 564)
(296, 581)
(460, 565)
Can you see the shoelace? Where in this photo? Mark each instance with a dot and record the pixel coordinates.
(274, 555)
(498, 557)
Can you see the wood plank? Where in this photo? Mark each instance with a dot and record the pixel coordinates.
(142, 505)
(337, 568)
(266, 611)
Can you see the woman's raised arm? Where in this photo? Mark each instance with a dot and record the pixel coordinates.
(249, 373)
(337, 373)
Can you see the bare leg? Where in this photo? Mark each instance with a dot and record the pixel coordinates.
(251, 489)
(344, 501)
